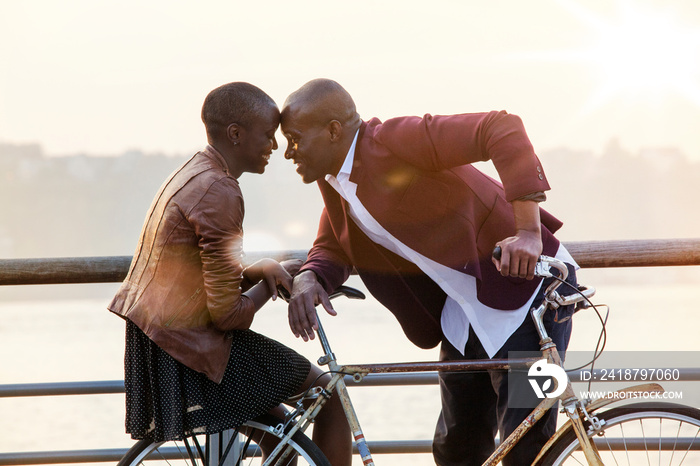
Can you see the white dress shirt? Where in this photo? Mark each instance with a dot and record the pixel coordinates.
(461, 309)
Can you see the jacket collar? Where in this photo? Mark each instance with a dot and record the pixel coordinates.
(210, 152)
(357, 159)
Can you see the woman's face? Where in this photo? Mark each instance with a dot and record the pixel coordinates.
(259, 141)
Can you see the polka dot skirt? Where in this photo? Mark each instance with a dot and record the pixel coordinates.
(166, 400)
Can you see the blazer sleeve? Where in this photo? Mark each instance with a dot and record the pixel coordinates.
(441, 142)
(218, 223)
(326, 257)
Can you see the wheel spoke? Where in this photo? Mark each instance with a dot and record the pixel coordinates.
(644, 437)
(662, 433)
(690, 446)
(229, 445)
(624, 441)
(189, 451)
(234, 445)
(610, 449)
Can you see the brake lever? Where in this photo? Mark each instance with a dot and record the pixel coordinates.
(542, 268)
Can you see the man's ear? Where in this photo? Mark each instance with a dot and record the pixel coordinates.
(234, 133)
(336, 130)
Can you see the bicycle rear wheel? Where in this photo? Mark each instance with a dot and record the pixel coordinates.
(643, 433)
(239, 447)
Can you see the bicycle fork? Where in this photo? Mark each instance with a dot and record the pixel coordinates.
(572, 407)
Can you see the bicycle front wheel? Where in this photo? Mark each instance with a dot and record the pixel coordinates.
(642, 433)
(243, 446)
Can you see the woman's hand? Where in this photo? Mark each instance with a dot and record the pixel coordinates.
(292, 265)
(273, 273)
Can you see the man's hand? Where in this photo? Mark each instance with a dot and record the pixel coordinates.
(307, 292)
(519, 253)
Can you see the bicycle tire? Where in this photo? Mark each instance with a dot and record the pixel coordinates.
(641, 433)
(199, 449)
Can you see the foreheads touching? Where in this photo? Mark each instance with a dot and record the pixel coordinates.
(237, 102)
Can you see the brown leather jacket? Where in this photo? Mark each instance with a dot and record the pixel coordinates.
(183, 288)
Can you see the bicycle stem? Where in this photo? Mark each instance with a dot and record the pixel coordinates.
(328, 355)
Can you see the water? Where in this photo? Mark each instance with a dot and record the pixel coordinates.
(72, 340)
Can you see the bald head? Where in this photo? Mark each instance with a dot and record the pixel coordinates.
(319, 121)
(322, 100)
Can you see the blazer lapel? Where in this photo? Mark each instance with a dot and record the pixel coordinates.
(356, 172)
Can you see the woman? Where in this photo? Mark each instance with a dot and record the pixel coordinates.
(191, 362)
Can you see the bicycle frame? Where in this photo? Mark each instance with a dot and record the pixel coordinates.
(572, 406)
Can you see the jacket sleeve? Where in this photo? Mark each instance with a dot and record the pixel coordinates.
(326, 258)
(441, 142)
(218, 223)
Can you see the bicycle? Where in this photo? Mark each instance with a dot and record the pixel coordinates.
(631, 434)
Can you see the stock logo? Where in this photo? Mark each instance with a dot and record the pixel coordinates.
(544, 369)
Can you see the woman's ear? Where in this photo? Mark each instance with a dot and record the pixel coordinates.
(234, 133)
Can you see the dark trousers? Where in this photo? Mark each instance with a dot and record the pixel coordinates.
(475, 405)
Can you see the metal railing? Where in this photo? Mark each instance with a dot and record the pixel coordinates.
(75, 270)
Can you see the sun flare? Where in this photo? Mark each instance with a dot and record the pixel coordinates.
(635, 52)
(644, 54)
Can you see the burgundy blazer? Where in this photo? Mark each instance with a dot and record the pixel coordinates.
(414, 177)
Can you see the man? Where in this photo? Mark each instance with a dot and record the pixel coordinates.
(404, 207)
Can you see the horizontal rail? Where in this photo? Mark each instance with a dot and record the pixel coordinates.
(115, 454)
(377, 447)
(112, 455)
(636, 253)
(101, 269)
(102, 387)
(109, 269)
(99, 387)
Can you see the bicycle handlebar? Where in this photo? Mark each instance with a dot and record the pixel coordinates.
(347, 291)
(542, 270)
(542, 266)
(552, 299)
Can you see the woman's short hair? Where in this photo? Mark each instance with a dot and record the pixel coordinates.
(236, 102)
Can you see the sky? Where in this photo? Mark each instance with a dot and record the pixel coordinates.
(103, 77)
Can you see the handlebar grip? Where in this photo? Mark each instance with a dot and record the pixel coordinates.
(348, 292)
(497, 253)
(283, 293)
(342, 290)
